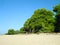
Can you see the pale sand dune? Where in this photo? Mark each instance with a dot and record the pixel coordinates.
(31, 39)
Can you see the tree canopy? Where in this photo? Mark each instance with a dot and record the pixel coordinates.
(11, 31)
(57, 23)
(42, 20)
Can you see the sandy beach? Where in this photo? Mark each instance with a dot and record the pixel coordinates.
(30, 39)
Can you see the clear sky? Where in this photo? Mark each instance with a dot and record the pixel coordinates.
(13, 13)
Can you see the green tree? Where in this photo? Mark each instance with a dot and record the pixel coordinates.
(41, 21)
(22, 30)
(56, 8)
(57, 24)
(11, 32)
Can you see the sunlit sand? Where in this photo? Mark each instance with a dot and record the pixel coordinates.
(30, 39)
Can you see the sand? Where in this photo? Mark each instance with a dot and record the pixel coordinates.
(30, 39)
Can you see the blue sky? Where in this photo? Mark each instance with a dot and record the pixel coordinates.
(13, 13)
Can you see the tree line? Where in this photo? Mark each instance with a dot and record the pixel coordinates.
(42, 21)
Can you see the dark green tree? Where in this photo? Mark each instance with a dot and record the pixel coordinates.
(22, 30)
(11, 32)
(57, 23)
(41, 21)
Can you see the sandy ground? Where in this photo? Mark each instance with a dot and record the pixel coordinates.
(31, 39)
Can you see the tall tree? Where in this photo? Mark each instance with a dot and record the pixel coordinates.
(41, 21)
(57, 24)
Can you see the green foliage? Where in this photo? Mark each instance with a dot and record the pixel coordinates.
(22, 30)
(57, 23)
(41, 21)
(56, 8)
(11, 31)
